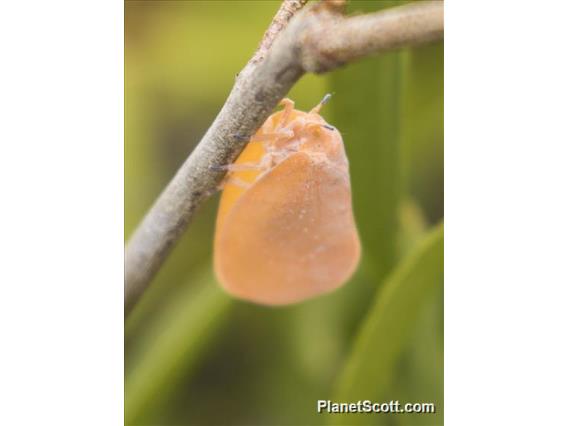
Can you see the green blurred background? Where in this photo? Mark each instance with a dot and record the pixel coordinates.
(194, 356)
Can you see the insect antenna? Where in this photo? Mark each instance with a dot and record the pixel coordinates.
(324, 101)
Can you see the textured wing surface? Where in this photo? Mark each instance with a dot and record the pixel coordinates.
(291, 235)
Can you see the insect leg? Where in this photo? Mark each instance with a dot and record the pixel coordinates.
(235, 182)
(273, 137)
(242, 167)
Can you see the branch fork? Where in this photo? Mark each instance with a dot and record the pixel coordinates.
(318, 39)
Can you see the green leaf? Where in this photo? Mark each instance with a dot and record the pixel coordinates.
(422, 137)
(420, 374)
(369, 370)
(173, 346)
(367, 111)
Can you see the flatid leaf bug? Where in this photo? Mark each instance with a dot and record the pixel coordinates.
(285, 230)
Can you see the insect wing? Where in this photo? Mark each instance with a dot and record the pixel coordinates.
(291, 235)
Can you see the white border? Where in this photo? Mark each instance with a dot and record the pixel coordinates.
(61, 225)
(506, 191)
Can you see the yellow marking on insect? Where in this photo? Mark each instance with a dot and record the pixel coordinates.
(285, 233)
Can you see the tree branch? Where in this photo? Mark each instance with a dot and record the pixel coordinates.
(333, 40)
(318, 39)
(287, 10)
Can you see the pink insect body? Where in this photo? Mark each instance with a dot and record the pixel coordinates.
(285, 230)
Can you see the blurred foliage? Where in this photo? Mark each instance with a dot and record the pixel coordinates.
(194, 356)
(390, 321)
(174, 343)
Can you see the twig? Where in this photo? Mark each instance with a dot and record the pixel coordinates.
(333, 40)
(247, 106)
(318, 39)
(287, 10)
